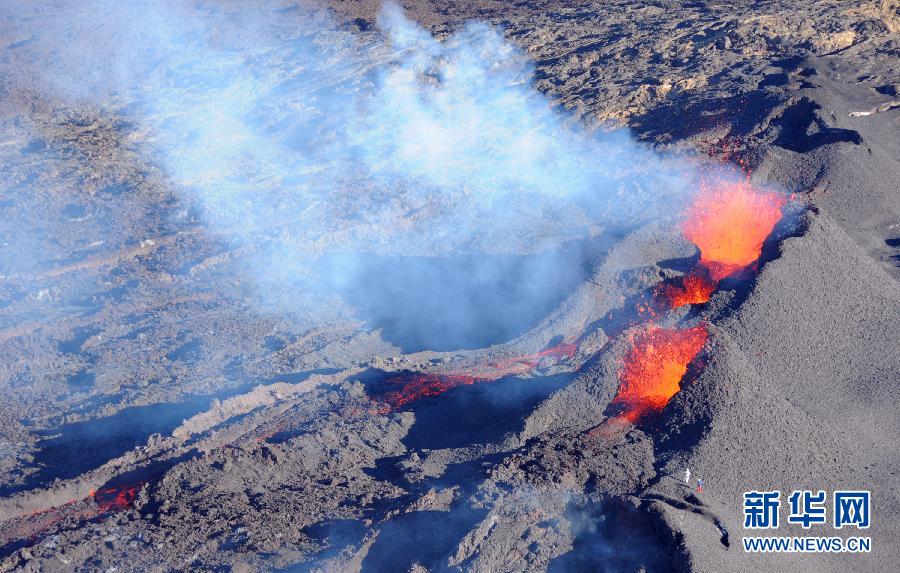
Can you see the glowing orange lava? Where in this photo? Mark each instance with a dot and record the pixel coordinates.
(654, 367)
(693, 288)
(34, 526)
(119, 498)
(416, 386)
(728, 222)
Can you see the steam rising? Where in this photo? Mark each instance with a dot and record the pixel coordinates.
(321, 149)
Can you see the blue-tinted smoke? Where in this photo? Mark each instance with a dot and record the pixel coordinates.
(320, 148)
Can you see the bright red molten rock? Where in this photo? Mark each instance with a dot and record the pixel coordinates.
(693, 288)
(728, 221)
(422, 385)
(654, 367)
(110, 499)
(416, 386)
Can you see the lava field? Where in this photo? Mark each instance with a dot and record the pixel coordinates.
(446, 286)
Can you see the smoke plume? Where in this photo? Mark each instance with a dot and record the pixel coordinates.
(425, 182)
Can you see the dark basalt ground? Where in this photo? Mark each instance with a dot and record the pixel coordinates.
(250, 436)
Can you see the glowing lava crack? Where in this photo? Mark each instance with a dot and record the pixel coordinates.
(419, 385)
(728, 222)
(654, 367)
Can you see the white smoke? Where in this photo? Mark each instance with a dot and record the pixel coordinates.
(322, 147)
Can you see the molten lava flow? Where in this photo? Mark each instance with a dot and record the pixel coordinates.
(729, 222)
(116, 498)
(693, 288)
(421, 385)
(654, 367)
(560, 351)
(35, 525)
(416, 386)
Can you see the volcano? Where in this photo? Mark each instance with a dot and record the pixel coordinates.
(466, 286)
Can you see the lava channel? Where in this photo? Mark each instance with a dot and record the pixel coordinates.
(693, 288)
(654, 367)
(420, 385)
(30, 528)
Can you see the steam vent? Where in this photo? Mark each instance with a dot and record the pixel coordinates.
(424, 286)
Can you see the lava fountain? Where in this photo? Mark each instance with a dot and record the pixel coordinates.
(693, 288)
(728, 222)
(653, 368)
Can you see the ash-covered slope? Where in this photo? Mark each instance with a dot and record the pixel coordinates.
(797, 385)
(156, 418)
